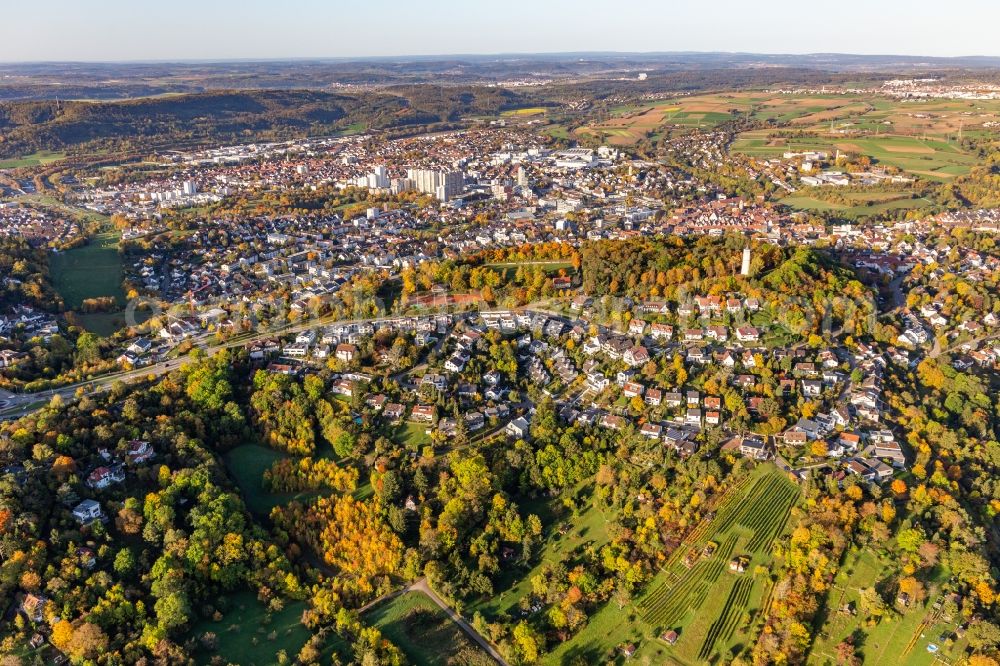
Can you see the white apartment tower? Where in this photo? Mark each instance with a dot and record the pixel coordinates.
(442, 184)
(522, 177)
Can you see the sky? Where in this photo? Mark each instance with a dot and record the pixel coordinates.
(120, 30)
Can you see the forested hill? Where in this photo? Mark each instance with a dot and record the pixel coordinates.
(646, 267)
(230, 116)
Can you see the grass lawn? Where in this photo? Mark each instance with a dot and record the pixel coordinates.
(557, 131)
(409, 434)
(424, 633)
(352, 129)
(902, 638)
(91, 271)
(550, 267)
(247, 464)
(880, 202)
(106, 323)
(40, 158)
(249, 634)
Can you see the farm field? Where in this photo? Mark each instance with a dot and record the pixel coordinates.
(40, 158)
(707, 605)
(520, 113)
(90, 271)
(934, 159)
(629, 124)
(918, 136)
(424, 633)
(861, 203)
(697, 595)
(250, 634)
(903, 638)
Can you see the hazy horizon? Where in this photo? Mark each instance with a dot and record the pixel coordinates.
(119, 31)
(405, 57)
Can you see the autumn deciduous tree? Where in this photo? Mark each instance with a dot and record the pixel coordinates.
(62, 633)
(88, 641)
(306, 474)
(818, 448)
(349, 534)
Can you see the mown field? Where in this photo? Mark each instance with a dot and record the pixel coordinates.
(902, 639)
(250, 634)
(40, 158)
(91, 271)
(247, 464)
(521, 113)
(860, 203)
(424, 633)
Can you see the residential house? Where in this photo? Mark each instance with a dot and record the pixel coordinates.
(754, 447)
(394, 411)
(812, 388)
(693, 417)
(344, 387)
(661, 331)
(636, 356)
(422, 413)
(518, 428)
(633, 389)
(33, 606)
(102, 477)
(346, 352)
(795, 438)
(87, 512)
(612, 422)
(651, 430)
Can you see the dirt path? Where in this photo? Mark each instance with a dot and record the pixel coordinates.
(422, 586)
